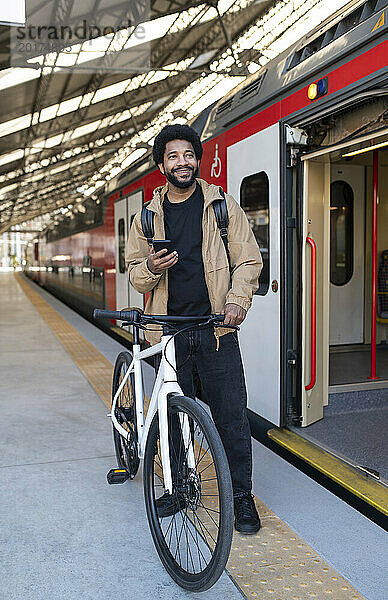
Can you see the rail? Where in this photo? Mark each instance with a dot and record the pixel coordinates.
(313, 352)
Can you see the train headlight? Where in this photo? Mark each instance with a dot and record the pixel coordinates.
(317, 89)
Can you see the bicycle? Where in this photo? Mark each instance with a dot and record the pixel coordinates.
(182, 452)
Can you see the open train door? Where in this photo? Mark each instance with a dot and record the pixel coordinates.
(315, 288)
(125, 210)
(253, 180)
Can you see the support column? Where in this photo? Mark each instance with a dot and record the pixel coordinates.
(374, 265)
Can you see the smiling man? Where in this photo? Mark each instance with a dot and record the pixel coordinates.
(194, 280)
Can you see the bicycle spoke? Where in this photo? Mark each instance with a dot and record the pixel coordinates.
(205, 509)
(202, 525)
(198, 546)
(198, 549)
(177, 544)
(180, 536)
(171, 530)
(207, 467)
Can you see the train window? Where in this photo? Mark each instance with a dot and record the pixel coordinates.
(341, 232)
(121, 234)
(254, 196)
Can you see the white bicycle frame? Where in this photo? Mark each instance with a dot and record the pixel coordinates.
(166, 384)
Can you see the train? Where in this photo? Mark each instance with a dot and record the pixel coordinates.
(302, 146)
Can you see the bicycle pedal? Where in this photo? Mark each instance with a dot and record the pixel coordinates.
(117, 476)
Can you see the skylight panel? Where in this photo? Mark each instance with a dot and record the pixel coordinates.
(15, 125)
(202, 59)
(190, 17)
(7, 158)
(110, 91)
(7, 188)
(132, 157)
(153, 30)
(215, 93)
(68, 106)
(16, 75)
(10, 175)
(53, 141)
(85, 129)
(139, 110)
(48, 113)
(36, 177)
(126, 114)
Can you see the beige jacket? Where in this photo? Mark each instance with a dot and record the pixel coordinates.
(244, 255)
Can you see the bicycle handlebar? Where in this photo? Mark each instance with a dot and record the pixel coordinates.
(137, 317)
(98, 313)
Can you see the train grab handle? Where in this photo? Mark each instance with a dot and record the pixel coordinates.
(313, 353)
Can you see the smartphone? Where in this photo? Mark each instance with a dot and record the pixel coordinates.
(161, 244)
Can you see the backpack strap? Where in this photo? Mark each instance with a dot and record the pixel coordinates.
(222, 218)
(220, 212)
(147, 223)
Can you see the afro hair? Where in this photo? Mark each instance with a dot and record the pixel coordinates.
(175, 132)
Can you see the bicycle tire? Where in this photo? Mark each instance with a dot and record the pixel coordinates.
(211, 513)
(125, 413)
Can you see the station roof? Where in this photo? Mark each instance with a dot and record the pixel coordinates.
(73, 115)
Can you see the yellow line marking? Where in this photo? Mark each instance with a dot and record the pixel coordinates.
(369, 490)
(275, 563)
(97, 369)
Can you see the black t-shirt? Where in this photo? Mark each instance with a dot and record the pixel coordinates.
(187, 290)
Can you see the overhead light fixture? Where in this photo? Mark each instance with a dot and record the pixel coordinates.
(363, 150)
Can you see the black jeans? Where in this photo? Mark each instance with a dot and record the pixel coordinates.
(222, 381)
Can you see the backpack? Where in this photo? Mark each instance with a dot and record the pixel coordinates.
(220, 213)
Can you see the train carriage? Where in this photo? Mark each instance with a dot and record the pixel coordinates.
(302, 146)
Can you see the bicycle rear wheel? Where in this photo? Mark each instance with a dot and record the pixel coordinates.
(125, 413)
(194, 543)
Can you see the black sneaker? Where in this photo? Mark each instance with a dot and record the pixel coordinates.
(246, 519)
(169, 504)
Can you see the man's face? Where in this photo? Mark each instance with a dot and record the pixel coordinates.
(180, 164)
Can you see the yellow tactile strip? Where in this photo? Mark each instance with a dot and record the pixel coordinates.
(275, 563)
(92, 364)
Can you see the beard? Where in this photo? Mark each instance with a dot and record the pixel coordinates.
(182, 184)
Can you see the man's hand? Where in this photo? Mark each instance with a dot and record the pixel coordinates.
(158, 262)
(234, 314)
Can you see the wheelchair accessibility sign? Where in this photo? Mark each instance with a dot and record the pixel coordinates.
(216, 165)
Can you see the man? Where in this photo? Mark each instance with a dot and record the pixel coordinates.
(194, 280)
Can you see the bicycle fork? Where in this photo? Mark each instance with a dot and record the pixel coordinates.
(169, 387)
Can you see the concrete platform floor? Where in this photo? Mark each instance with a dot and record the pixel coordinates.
(65, 532)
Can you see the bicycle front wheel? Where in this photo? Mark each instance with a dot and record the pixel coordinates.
(193, 540)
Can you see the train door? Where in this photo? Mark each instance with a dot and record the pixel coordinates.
(122, 286)
(124, 211)
(253, 180)
(315, 288)
(134, 204)
(347, 249)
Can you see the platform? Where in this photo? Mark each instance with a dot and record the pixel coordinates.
(67, 534)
